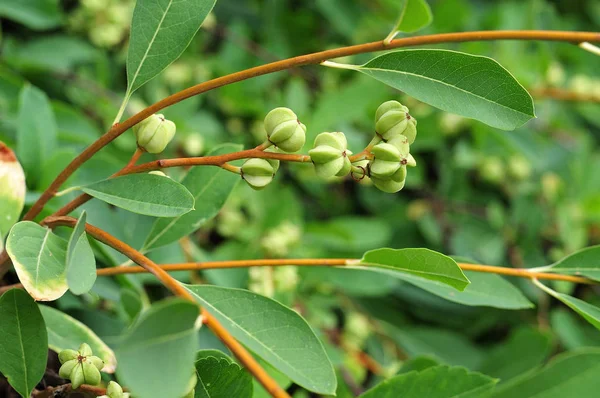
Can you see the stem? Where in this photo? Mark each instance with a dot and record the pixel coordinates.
(314, 58)
(590, 47)
(64, 390)
(337, 65)
(122, 108)
(564, 95)
(174, 286)
(232, 168)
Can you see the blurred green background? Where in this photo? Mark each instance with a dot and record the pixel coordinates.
(523, 198)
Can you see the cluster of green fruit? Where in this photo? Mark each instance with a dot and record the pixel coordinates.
(106, 22)
(384, 161)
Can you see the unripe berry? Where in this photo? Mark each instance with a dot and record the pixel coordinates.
(330, 155)
(386, 160)
(258, 173)
(285, 130)
(154, 133)
(392, 119)
(391, 184)
(67, 355)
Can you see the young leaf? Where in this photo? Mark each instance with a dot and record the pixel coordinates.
(570, 375)
(435, 382)
(81, 264)
(468, 85)
(274, 332)
(221, 377)
(156, 357)
(160, 31)
(36, 132)
(24, 343)
(414, 15)
(66, 332)
(487, 290)
(423, 263)
(585, 262)
(147, 194)
(39, 258)
(12, 191)
(589, 312)
(210, 187)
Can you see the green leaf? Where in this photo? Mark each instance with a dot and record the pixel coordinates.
(274, 332)
(423, 263)
(81, 264)
(414, 15)
(210, 186)
(487, 290)
(160, 31)
(24, 343)
(468, 85)
(569, 375)
(36, 131)
(35, 14)
(12, 191)
(156, 357)
(529, 345)
(66, 332)
(435, 382)
(147, 194)
(585, 262)
(589, 312)
(131, 302)
(39, 258)
(418, 363)
(221, 377)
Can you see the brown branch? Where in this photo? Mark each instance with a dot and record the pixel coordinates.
(564, 95)
(64, 390)
(310, 59)
(174, 286)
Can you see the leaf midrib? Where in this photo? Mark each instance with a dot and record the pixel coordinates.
(410, 271)
(135, 76)
(446, 84)
(112, 196)
(21, 343)
(39, 256)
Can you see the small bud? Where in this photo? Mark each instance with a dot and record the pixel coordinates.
(91, 374)
(392, 119)
(391, 184)
(258, 173)
(285, 130)
(193, 144)
(158, 173)
(330, 155)
(85, 350)
(67, 355)
(12, 190)
(154, 133)
(114, 390)
(67, 367)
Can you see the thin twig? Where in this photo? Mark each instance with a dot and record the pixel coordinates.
(174, 286)
(564, 95)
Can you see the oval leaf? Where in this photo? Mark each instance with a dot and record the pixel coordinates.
(469, 85)
(147, 194)
(487, 290)
(12, 190)
(569, 375)
(24, 343)
(39, 258)
(435, 382)
(414, 15)
(221, 377)
(66, 332)
(585, 262)
(423, 263)
(210, 187)
(274, 332)
(156, 356)
(81, 263)
(160, 31)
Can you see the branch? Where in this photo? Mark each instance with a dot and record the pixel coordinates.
(310, 59)
(174, 286)
(65, 390)
(564, 95)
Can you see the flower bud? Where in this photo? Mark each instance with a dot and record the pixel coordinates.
(391, 184)
(67, 355)
(12, 190)
(114, 390)
(392, 119)
(285, 130)
(330, 155)
(154, 133)
(258, 173)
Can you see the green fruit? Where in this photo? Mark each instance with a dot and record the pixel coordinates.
(335, 140)
(330, 156)
(67, 367)
(258, 173)
(410, 161)
(154, 133)
(85, 350)
(96, 361)
(392, 119)
(77, 377)
(91, 374)
(114, 390)
(360, 169)
(285, 130)
(391, 184)
(67, 355)
(401, 143)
